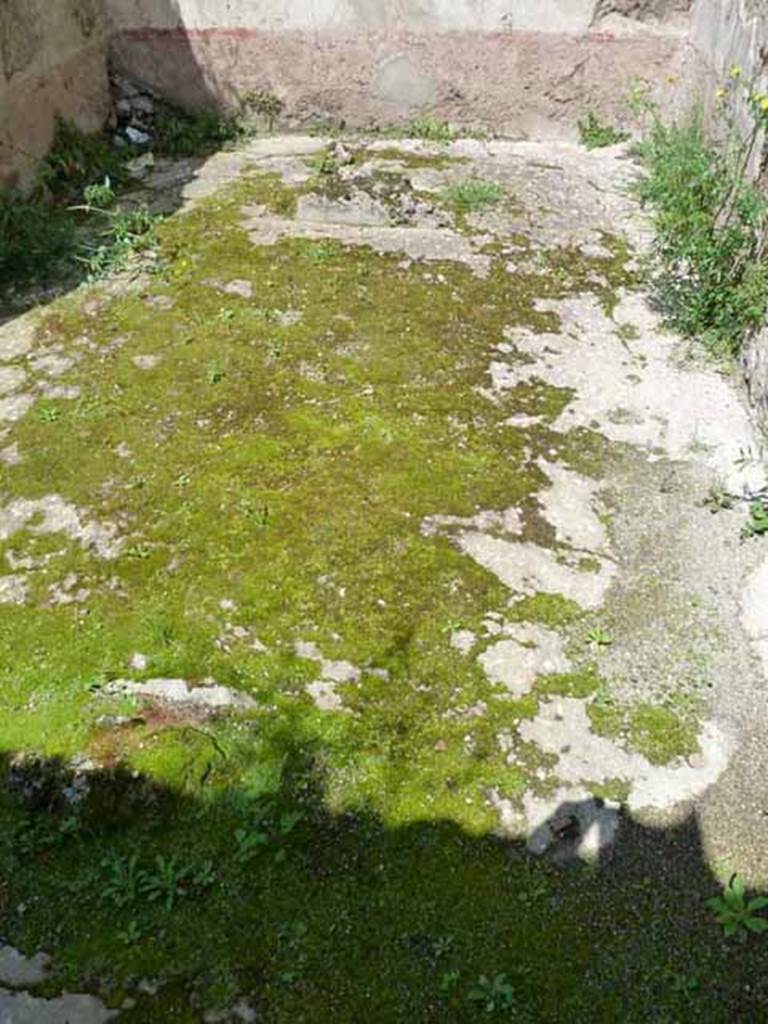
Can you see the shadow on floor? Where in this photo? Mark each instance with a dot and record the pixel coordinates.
(313, 914)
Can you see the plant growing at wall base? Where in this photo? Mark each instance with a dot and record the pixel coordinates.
(77, 159)
(34, 237)
(431, 130)
(708, 264)
(595, 134)
(264, 103)
(180, 133)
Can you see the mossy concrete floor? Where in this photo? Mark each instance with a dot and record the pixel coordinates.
(365, 626)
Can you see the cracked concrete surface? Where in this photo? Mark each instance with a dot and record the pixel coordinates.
(685, 602)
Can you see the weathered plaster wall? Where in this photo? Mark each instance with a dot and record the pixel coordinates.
(52, 60)
(732, 32)
(524, 67)
(728, 34)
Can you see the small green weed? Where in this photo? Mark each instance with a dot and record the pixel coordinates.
(735, 913)
(718, 498)
(173, 878)
(35, 836)
(36, 237)
(48, 413)
(450, 982)
(249, 845)
(124, 879)
(100, 195)
(263, 103)
(474, 194)
(226, 315)
(324, 163)
(431, 130)
(599, 637)
(493, 994)
(267, 832)
(131, 934)
(125, 234)
(594, 134)
(757, 525)
(169, 880)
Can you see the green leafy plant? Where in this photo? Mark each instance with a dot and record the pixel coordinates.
(324, 163)
(48, 413)
(268, 831)
(450, 982)
(599, 637)
(41, 235)
(431, 130)
(757, 525)
(173, 878)
(595, 134)
(36, 237)
(125, 879)
(99, 195)
(474, 194)
(76, 160)
(708, 266)
(493, 994)
(735, 913)
(180, 133)
(264, 103)
(249, 845)
(126, 233)
(131, 934)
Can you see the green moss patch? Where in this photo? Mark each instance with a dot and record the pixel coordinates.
(267, 430)
(658, 733)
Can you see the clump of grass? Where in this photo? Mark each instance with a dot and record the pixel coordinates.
(595, 134)
(431, 130)
(709, 266)
(76, 160)
(474, 194)
(180, 133)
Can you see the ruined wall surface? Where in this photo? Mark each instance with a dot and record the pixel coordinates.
(728, 34)
(519, 66)
(52, 60)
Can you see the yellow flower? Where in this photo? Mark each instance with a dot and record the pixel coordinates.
(764, 104)
(720, 93)
(736, 71)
